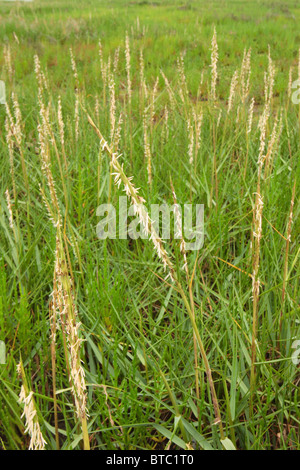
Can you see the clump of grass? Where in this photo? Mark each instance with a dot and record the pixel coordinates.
(141, 212)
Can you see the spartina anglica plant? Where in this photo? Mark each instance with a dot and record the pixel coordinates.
(141, 212)
(63, 294)
(214, 66)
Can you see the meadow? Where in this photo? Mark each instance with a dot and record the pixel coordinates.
(140, 344)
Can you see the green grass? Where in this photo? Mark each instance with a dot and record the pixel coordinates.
(138, 352)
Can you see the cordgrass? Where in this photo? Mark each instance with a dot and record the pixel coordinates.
(138, 349)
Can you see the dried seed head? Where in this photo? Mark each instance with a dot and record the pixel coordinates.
(118, 133)
(61, 124)
(74, 68)
(37, 441)
(250, 116)
(169, 90)
(138, 206)
(245, 75)
(8, 61)
(190, 131)
(213, 65)
(183, 85)
(76, 118)
(11, 219)
(153, 98)
(147, 151)
(64, 303)
(233, 85)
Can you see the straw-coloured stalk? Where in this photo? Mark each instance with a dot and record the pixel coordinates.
(37, 441)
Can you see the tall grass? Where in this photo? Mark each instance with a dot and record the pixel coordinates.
(140, 344)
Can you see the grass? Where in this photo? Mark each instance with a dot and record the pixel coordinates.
(160, 358)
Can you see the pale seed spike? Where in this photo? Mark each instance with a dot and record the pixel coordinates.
(213, 65)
